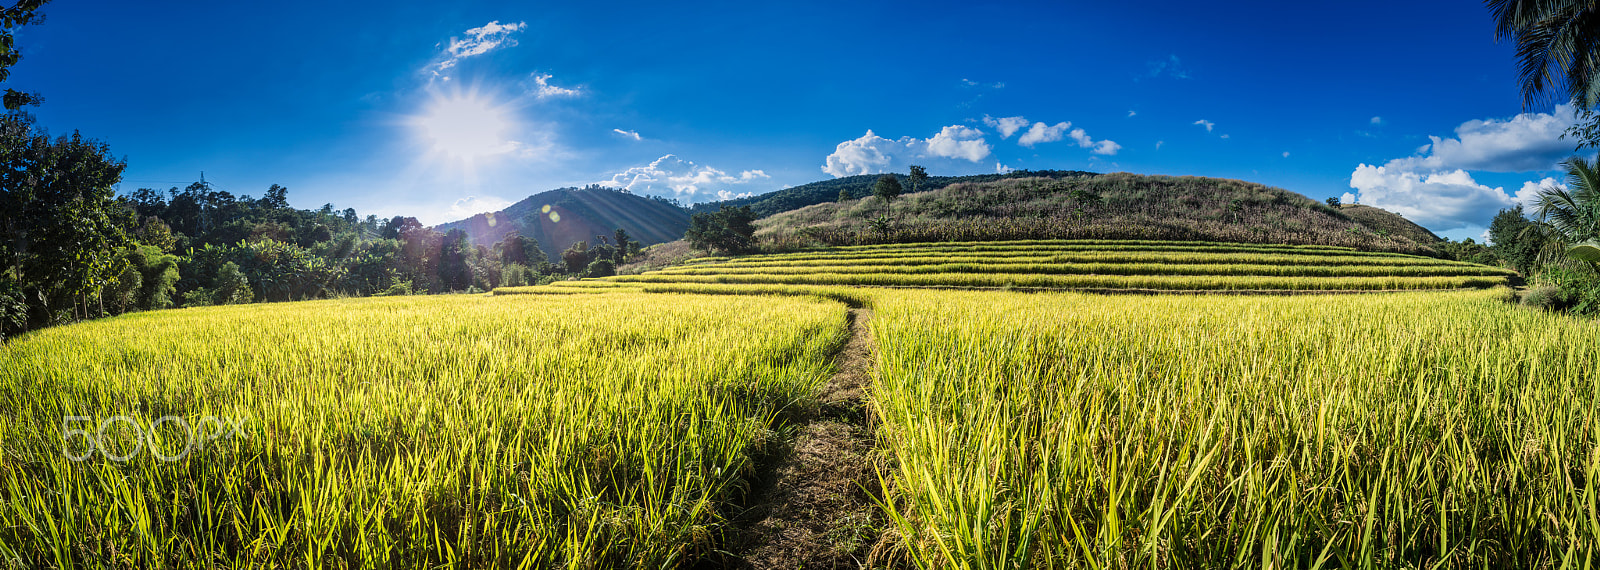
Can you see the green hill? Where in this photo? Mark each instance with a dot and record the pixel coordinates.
(1116, 206)
(562, 217)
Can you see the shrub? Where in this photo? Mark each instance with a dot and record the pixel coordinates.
(1547, 297)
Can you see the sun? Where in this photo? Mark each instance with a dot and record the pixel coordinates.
(467, 127)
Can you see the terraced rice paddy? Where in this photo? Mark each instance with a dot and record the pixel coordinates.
(1090, 265)
(623, 422)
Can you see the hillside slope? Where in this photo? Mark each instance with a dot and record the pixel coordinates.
(1381, 220)
(578, 214)
(1110, 206)
(860, 186)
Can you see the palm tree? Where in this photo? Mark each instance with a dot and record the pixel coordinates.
(1572, 215)
(1558, 43)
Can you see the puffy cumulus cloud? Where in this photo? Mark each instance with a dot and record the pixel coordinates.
(872, 154)
(681, 177)
(956, 141)
(629, 134)
(726, 195)
(477, 41)
(1002, 169)
(1526, 142)
(1441, 201)
(1006, 126)
(1377, 120)
(473, 205)
(1434, 187)
(1042, 133)
(543, 89)
(1207, 124)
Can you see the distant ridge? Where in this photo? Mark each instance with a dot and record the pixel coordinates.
(804, 195)
(578, 214)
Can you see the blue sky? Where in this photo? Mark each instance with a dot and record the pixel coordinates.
(439, 110)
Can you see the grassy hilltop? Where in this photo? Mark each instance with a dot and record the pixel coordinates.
(1109, 206)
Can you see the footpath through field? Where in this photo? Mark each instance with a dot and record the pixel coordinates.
(816, 509)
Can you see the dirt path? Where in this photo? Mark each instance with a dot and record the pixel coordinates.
(817, 512)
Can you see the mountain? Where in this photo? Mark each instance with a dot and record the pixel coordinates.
(1118, 206)
(562, 217)
(859, 186)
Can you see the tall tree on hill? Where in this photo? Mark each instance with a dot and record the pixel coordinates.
(918, 177)
(22, 13)
(887, 187)
(1558, 43)
(844, 195)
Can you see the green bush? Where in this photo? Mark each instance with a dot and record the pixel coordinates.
(601, 268)
(1547, 297)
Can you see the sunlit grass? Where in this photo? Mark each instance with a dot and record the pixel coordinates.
(574, 430)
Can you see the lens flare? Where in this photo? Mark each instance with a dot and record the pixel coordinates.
(466, 127)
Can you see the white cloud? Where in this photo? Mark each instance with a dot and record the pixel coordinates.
(1347, 198)
(1286, 154)
(872, 154)
(478, 41)
(1526, 142)
(1002, 169)
(1131, 113)
(1042, 133)
(1159, 143)
(473, 205)
(1224, 135)
(1006, 126)
(630, 134)
(1207, 124)
(1440, 201)
(1435, 189)
(542, 87)
(998, 85)
(680, 177)
(726, 195)
(1377, 120)
(956, 141)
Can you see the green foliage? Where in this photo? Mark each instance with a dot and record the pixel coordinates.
(887, 188)
(62, 234)
(20, 13)
(624, 245)
(600, 268)
(917, 178)
(1333, 201)
(859, 186)
(576, 258)
(729, 230)
(1517, 240)
(1558, 42)
(233, 288)
(1469, 251)
(1571, 288)
(844, 195)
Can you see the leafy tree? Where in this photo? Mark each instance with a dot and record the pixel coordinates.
(918, 177)
(455, 250)
(22, 13)
(153, 231)
(624, 246)
(844, 195)
(1517, 240)
(887, 188)
(62, 232)
(1558, 45)
(519, 249)
(233, 288)
(729, 230)
(576, 257)
(1333, 201)
(600, 268)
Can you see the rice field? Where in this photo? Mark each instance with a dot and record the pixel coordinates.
(470, 431)
(621, 423)
(1376, 431)
(1063, 264)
